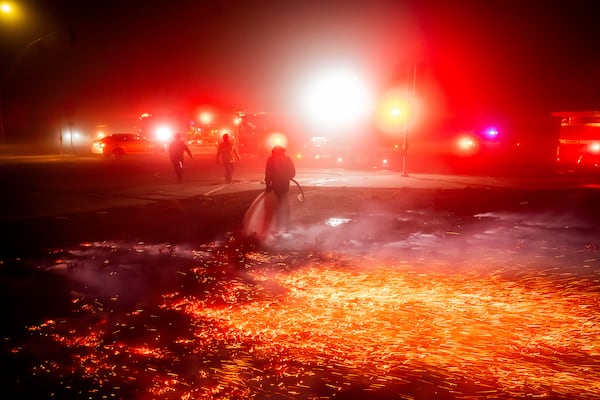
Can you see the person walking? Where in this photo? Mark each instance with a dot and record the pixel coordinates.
(227, 154)
(280, 169)
(177, 149)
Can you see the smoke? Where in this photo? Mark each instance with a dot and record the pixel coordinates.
(428, 236)
(129, 273)
(488, 240)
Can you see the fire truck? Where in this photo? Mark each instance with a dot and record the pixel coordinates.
(579, 139)
(258, 132)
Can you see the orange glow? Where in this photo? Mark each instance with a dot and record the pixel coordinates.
(276, 139)
(384, 322)
(10, 12)
(467, 145)
(206, 117)
(397, 111)
(321, 327)
(6, 8)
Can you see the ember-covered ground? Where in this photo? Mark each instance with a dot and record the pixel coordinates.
(374, 293)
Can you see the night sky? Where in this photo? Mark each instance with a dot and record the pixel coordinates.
(512, 61)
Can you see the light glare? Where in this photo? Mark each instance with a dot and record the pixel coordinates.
(466, 144)
(164, 133)
(206, 117)
(396, 111)
(276, 139)
(337, 99)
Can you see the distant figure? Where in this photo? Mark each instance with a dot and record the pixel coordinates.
(279, 171)
(177, 150)
(227, 154)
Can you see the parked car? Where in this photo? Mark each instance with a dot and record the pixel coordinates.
(118, 145)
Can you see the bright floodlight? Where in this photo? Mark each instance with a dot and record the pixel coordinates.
(164, 133)
(336, 99)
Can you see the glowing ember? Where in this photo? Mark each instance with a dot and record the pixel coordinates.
(388, 322)
(318, 327)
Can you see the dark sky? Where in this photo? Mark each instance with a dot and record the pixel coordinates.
(477, 59)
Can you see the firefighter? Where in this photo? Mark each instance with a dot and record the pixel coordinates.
(279, 171)
(227, 153)
(177, 149)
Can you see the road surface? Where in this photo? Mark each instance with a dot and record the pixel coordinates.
(47, 185)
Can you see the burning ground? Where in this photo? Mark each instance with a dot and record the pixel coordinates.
(466, 294)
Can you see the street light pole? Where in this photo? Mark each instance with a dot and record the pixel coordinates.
(405, 140)
(71, 134)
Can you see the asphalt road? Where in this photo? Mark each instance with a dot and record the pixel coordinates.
(54, 185)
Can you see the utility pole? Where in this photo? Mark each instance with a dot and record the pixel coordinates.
(405, 122)
(71, 134)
